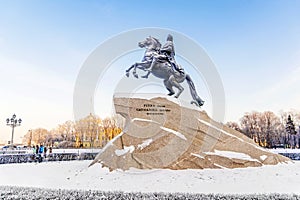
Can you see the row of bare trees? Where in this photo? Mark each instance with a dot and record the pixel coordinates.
(268, 129)
(91, 131)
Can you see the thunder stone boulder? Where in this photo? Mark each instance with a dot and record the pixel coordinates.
(160, 133)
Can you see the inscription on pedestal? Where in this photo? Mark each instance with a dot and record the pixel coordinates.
(154, 109)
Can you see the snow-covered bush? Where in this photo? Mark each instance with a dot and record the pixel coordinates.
(8, 192)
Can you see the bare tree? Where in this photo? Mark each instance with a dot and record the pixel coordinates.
(91, 124)
(250, 126)
(36, 136)
(91, 129)
(80, 132)
(264, 128)
(66, 131)
(234, 126)
(269, 124)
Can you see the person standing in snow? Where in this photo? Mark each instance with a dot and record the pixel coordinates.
(37, 148)
(45, 151)
(41, 150)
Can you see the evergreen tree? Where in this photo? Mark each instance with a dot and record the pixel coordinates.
(290, 130)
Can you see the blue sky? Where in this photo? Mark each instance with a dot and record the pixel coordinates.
(255, 46)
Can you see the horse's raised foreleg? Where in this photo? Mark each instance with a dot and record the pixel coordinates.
(134, 66)
(130, 68)
(134, 71)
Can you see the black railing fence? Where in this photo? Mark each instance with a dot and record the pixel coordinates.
(27, 157)
(292, 156)
(21, 157)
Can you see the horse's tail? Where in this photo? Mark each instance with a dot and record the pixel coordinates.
(197, 100)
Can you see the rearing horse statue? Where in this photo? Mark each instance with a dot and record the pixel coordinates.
(162, 69)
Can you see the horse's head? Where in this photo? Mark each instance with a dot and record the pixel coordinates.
(150, 43)
(145, 43)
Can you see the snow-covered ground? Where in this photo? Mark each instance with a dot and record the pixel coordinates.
(282, 178)
(285, 150)
(79, 151)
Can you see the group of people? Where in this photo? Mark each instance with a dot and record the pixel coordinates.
(41, 150)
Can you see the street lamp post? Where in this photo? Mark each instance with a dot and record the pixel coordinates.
(13, 122)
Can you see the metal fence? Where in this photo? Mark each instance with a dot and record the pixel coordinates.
(293, 156)
(25, 157)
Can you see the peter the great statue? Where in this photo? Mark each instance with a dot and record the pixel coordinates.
(160, 61)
